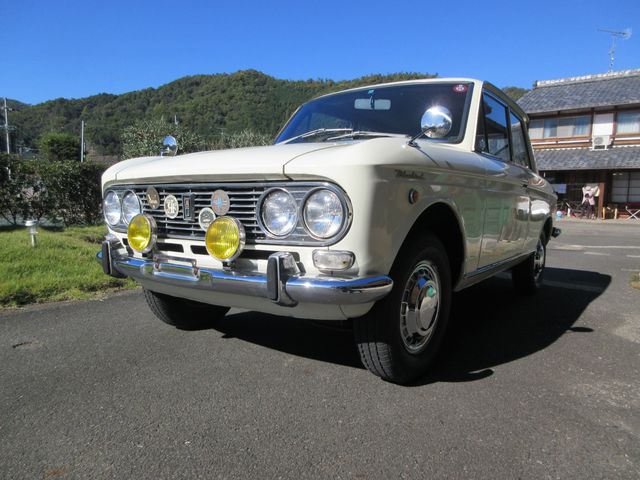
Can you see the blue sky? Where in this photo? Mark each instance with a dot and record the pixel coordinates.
(74, 49)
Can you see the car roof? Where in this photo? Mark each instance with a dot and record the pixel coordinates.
(480, 83)
(405, 82)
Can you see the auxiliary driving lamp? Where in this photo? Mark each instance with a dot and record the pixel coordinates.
(142, 233)
(225, 239)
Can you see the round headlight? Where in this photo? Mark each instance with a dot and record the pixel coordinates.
(279, 213)
(141, 233)
(111, 208)
(130, 207)
(323, 213)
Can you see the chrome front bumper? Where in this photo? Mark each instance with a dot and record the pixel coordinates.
(282, 283)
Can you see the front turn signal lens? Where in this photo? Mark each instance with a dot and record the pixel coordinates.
(142, 233)
(225, 239)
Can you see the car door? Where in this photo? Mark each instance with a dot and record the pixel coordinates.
(507, 202)
(538, 195)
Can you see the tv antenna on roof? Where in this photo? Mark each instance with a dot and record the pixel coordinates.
(612, 50)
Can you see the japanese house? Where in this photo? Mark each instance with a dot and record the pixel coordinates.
(586, 131)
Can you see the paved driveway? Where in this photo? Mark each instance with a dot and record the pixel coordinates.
(540, 387)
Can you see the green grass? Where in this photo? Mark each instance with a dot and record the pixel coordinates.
(61, 267)
(635, 281)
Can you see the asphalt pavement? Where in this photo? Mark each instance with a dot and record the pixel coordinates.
(526, 387)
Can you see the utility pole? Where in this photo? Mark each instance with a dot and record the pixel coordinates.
(6, 123)
(81, 141)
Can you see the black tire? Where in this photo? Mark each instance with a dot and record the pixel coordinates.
(383, 335)
(527, 276)
(183, 313)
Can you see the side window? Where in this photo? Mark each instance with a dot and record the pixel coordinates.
(519, 143)
(496, 128)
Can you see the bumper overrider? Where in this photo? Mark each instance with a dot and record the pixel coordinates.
(282, 284)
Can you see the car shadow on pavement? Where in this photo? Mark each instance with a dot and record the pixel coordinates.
(489, 325)
(492, 325)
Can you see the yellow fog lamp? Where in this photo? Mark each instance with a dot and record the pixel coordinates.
(225, 239)
(142, 233)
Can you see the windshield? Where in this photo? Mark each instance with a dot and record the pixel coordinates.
(392, 110)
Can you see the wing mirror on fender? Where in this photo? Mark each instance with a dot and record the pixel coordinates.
(436, 122)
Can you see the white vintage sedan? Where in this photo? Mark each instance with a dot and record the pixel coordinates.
(373, 205)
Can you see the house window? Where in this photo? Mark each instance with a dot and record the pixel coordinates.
(628, 122)
(560, 127)
(625, 187)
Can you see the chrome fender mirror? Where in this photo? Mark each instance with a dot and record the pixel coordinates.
(169, 146)
(436, 122)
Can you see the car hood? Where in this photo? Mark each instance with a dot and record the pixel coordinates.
(255, 163)
(301, 161)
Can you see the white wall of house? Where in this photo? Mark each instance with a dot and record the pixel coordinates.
(603, 124)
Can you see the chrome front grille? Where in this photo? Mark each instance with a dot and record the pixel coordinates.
(244, 202)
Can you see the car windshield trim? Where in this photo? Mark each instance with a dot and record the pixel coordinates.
(365, 133)
(315, 133)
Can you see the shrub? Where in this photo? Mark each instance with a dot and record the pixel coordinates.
(68, 191)
(244, 138)
(57, 146)
(72, 191)
(144, 138)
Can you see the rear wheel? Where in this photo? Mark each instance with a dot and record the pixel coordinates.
(527, 276)
(183, 313)
(398, 340)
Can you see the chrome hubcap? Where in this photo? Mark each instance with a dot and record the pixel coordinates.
(538, 259)
(419, 308)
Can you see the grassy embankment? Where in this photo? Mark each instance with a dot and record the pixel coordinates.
(61, 267)
(635, 281)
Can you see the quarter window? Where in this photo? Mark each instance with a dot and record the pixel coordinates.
(628, 122)
(496, 129)
(519, 143)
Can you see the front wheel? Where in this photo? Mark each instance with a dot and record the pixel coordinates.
(183, 313)
(399, 338)
(527, 276)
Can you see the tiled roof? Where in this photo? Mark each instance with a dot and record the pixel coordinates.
(587, 159)
(607, 89)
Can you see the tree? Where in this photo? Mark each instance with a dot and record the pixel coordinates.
(515, 92)
(144, 138)
(57, 147)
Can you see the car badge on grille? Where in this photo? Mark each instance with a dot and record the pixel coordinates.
(187, 207)
(205, 218)
(220, 202)
(171, 207)
(153, 199)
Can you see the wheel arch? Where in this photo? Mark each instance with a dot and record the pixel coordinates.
(442, 220)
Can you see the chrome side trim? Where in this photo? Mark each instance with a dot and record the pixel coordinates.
(489, 270)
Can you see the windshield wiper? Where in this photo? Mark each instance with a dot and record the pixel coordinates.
(316, 133)
(364, 133)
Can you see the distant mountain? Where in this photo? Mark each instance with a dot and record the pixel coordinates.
(206, 104)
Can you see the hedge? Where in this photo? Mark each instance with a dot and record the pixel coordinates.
(66, 191)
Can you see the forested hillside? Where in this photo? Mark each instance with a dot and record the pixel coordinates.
(205, 104)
